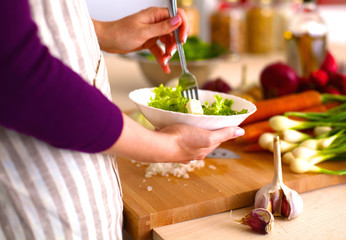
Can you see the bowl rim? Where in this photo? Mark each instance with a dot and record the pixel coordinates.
(250, 112)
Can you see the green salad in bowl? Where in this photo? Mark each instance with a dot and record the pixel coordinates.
(163, 106)
(171, 99)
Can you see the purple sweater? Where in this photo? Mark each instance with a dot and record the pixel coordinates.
(42, 97)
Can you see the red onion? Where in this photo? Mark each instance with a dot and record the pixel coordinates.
(279, 79)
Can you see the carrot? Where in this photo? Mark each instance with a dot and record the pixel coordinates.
(279, 105)
(254, 130)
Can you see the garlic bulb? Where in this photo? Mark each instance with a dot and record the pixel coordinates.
(276, 197)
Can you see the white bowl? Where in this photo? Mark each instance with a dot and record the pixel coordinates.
(161, 118)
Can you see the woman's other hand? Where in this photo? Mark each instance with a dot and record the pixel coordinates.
(176, 143)
(142, 30)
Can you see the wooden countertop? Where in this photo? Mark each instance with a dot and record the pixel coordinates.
(324, 213)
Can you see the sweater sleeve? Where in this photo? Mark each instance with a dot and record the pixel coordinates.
(42, 97)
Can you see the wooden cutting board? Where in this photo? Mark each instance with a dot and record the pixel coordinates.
(222, 185)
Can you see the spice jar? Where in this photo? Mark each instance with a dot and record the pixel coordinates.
(306, 39)
(259, 22)
(192, 14)
(227, 26)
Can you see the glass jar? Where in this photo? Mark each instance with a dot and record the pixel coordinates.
(306, 39)
(283, 11)
(259, 27)
(227, 26)
(192, 14)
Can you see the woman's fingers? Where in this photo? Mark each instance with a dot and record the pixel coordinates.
(184, 27)
(224, 134)
(161, 25)
(160, 56)
(170, 45)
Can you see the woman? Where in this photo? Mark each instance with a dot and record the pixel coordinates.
(59, 130)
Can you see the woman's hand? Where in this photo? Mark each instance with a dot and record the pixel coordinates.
(192, 143)
(142, 30)
(177, 143)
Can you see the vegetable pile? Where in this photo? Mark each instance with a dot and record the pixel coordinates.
(303, 149)
(171, 99)
(312, 127)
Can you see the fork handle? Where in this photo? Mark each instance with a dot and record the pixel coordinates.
(172, 8)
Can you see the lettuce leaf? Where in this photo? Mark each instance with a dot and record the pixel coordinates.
(168, 98)
(221, 107)
(171, 99)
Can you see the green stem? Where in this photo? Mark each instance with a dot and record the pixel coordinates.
(307, 125)
(337, 117)
(319, 117)
(332, 97)
(329, 172)
(332, 152)
(307, 116)
(337, 109)
(334, 113)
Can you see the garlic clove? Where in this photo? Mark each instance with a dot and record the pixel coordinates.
(262, 200)
(294, 202)
(285, 208)
(276, 200)
(260, 220)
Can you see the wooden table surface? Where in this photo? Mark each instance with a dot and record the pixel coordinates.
(324, 213)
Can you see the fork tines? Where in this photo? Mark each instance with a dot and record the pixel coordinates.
(191, 93)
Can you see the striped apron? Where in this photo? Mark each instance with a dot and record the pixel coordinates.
(51, 193)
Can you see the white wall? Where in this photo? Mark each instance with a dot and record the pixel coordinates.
(335, 18)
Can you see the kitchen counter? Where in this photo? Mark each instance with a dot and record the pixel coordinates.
(323, 217)
(324, 213)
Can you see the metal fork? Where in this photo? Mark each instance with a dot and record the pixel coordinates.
(186, 80)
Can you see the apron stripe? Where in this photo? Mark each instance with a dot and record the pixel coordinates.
(61, 188)
(54, 12)
(76, 187)
(57, 209)
(37, 186)
(99, 204)
(21, 203)
(10, 224)
(111, 200)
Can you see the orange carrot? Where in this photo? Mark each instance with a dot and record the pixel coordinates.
(254, 130)
(279, 105)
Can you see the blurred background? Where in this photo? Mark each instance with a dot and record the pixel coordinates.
(332, 11)
(306, 36)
